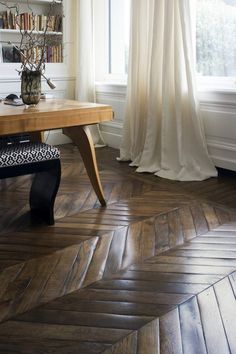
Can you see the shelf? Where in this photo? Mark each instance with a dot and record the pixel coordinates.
(37, 1)
(13, 31)
(27, 9)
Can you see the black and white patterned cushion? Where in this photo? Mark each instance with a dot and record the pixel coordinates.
(23, 153)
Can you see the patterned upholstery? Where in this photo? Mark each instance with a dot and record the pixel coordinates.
(23, 153)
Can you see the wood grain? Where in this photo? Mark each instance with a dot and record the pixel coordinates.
(51, 114)
(153, 272)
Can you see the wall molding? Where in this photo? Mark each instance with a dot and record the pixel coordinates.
(218, 99)
(112, 140)
(222, 152)
(224, 162)
(12, 80)
(112, 133)
(111, 87)
(221, 145)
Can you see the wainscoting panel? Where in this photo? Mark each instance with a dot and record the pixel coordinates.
(220, 127)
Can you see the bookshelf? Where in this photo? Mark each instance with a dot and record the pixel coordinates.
(37, 18)
(62, 74)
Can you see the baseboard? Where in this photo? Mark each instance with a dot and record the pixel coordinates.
(112, 140)
(224, 163)
(112, 133)
(222, 153)
(55, 137)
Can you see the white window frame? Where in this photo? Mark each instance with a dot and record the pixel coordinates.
(101, 40)
(101, 45)
(212, 83)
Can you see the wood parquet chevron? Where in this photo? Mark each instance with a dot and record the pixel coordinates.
(153, 272)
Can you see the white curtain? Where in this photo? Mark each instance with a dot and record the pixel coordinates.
(163, 132)
(85, 77)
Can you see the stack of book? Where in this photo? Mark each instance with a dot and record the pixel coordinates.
(52, 54)
(29, 22)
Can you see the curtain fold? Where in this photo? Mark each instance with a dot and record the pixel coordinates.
(163, 130)
(85, 74)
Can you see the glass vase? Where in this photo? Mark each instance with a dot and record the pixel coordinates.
(30, 87)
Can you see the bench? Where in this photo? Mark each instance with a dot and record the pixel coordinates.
(37, 158)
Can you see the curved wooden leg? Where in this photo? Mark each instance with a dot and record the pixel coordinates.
(44, 190)
(81, 136)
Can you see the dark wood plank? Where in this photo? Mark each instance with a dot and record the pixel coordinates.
(215, 240)
(50, 346)
(209, 246)
(97, 266)
(223, 215)
(139, 285)
(15, 329)
(116, 250)
(127, 345)
(75, 318)
(168, 277)
(42, 280)
(132, 296)
(227, 306)
(214, 333)
(191, 328)
(170, 335)
(134, 299)
(227, 227)
(173, 259)
(186, 217)
(109, 307)
(149, 339)
(189, 269)
(208, 253)
(199, 218)
(140, 243)
(211, 216)
(232, 279)
(221, 233)
(8, 276)
(162, 227)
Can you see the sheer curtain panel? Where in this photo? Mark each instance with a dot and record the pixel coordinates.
(85, 75)
(163, 131)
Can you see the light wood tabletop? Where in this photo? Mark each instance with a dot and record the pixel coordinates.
(70, 115)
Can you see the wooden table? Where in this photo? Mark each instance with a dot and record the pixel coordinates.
(72, 116)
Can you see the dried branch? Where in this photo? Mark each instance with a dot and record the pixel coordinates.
(33, 43)
(50, 84)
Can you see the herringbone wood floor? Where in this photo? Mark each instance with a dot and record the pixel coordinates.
(153, 272)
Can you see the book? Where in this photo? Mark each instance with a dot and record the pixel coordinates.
(10, 54)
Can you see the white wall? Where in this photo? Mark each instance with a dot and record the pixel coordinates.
(219, 114)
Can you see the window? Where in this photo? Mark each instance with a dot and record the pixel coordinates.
(215, 41)
(111, 39)
(118, 36)
(216, 38)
